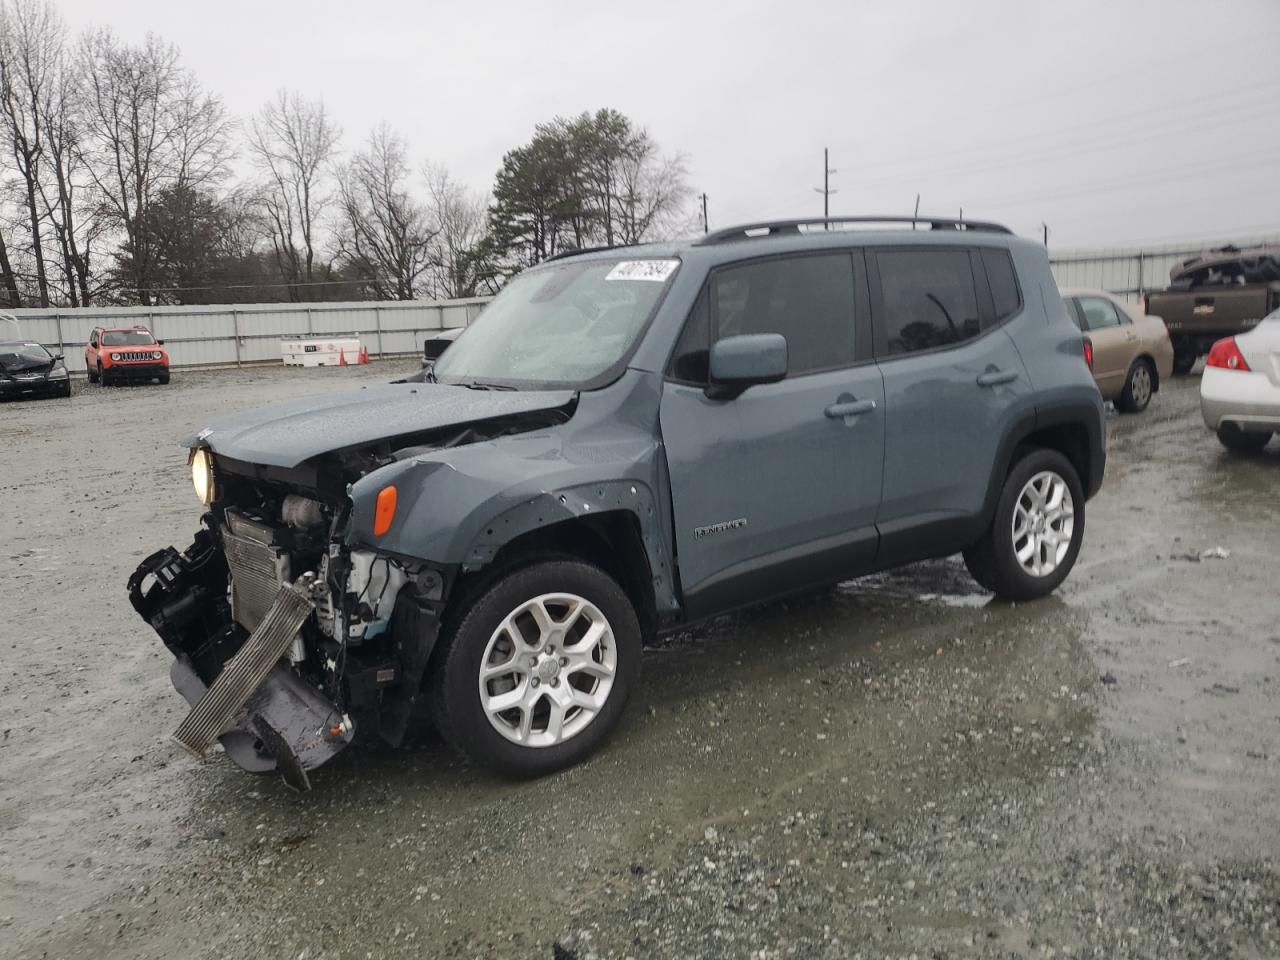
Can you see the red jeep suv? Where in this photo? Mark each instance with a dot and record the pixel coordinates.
(115, 354)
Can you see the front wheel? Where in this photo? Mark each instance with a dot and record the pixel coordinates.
(535, 674)
(1036, 531)
(1242, 441)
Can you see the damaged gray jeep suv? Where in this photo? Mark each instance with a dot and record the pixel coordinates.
(625, 441)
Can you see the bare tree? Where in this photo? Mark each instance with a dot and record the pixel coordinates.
(7, 276)
(63, 189)
(31, 38)
(385, 235)
(294, 143)
(148, 126)
(652, 195)
(459, 220)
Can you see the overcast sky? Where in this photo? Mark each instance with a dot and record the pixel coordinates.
(1114, 122)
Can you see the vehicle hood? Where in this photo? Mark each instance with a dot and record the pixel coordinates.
(286, 434)
(27, 367)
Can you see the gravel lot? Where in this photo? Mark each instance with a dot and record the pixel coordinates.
(894, 768)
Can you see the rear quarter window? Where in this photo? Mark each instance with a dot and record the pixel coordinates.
(1005, 295)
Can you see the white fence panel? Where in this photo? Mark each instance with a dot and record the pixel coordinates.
(249, 333)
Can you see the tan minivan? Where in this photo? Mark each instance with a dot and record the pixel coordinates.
(1130, 352)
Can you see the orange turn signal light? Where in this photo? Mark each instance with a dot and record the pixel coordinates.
(385, 511)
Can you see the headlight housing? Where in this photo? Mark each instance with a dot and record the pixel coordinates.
(202, 476)
(115, 357)
(157, 355)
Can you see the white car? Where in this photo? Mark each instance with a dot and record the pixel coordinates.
(1240, 389)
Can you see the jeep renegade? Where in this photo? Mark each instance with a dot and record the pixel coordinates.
(624, 442)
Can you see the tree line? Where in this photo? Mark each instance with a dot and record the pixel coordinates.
(119, 185)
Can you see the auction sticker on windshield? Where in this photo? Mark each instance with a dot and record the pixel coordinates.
(657, 270)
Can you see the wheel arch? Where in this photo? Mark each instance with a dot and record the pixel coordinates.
(611, 540)
(1075, 428)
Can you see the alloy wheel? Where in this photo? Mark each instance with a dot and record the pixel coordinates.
(1043, 523)
(547, 670)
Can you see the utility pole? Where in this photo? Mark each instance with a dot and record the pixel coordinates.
(705, 226)
(916, 214)
(825, 189)
(1046, 235)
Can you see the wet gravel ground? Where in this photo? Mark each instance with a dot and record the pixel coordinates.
(896, 767)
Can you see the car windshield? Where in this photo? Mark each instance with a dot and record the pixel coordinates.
(127, 338)
(23, 354)
(561, 325)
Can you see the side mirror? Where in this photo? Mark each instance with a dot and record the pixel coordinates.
(159, 343)
(743, 361)
(57, 358)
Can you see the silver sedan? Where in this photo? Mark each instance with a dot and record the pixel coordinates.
(1240, 389)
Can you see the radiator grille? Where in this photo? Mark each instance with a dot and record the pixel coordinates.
(244, 672)
(258, 570)
(134, 355)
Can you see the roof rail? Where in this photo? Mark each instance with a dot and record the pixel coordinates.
(576, 251)
(771, 228)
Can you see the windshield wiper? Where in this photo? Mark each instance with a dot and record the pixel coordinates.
(481, 385)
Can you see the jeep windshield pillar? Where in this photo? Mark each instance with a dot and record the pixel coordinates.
(624, 442)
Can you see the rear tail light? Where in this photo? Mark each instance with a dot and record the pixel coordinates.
(1088, 352)
(1227, 355)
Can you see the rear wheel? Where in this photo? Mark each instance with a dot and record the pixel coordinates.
(1138, 387)
(1184, 358)
(1036, 531)
(1242, 441)
(535, 674)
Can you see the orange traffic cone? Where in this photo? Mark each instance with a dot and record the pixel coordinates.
(364, 354)
(342, 358)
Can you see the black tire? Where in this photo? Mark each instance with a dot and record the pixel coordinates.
(163, 378)
(1242, 441)
(93, 374)
(992, 561)
(102, 375)
(1135, 396)
(454, 682)
(1184, 360)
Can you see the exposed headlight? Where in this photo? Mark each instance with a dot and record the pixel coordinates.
(202, 475)
(58, 373)
(157, 355)
(115, 357)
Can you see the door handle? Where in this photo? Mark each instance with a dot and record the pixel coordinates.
(849, 408)
(993, 378)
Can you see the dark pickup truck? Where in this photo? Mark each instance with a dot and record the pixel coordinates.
(1217, 294)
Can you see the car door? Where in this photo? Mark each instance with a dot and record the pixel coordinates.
(778, 487)
(954, 384)
(1115, 343)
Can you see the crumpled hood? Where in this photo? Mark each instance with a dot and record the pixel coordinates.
(286, 434)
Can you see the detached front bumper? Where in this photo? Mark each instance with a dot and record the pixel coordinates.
(242, 694)
(286, 725)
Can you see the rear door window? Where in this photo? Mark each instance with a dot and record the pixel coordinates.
(927, 300)
(1099, 314)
